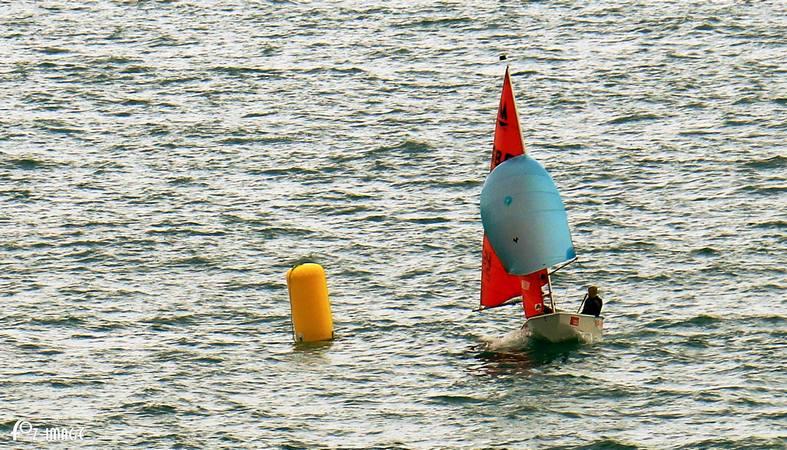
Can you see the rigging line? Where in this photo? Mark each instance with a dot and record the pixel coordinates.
(576, 258)
(582, 303)
(551, 293)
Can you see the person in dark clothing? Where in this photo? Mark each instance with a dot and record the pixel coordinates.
(593, 302)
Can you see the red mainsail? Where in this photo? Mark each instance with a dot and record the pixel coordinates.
(497, 286)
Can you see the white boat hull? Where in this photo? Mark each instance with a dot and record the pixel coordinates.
(563, 326)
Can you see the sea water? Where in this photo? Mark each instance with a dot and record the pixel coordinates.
(163, 163)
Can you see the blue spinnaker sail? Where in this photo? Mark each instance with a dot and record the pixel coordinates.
(524, 217)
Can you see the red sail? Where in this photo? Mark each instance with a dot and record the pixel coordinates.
(532, 294)
(497, 286)
(508, 137)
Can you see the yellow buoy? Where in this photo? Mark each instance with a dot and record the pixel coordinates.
(311, 309)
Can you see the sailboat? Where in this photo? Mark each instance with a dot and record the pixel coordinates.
(526, 235)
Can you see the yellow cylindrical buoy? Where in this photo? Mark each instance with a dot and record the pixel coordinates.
(311, 309)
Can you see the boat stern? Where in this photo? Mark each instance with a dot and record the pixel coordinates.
(563, 326)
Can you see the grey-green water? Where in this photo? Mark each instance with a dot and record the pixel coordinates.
(162, 164)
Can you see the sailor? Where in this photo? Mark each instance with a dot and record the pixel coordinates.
(593, 302)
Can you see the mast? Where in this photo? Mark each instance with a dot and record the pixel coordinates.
(551, 294)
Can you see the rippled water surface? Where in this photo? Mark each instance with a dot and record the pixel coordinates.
(162, 164)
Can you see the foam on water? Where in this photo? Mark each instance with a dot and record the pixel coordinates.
(513, 340)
